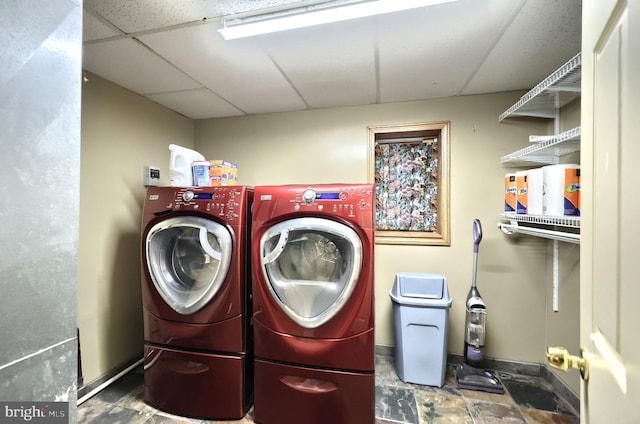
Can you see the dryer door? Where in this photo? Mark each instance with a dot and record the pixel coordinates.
(311, 266)
(188, 259)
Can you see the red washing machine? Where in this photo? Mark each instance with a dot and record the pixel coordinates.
(313, 304)
(198, 359)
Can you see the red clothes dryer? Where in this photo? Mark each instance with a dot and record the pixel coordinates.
(196, 301)
(313, 304)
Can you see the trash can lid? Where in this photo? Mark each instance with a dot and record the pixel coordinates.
(421, 289)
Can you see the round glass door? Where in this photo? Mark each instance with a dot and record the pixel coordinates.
(311, 266)
(188, 259)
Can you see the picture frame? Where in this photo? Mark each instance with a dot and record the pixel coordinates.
(409, 165)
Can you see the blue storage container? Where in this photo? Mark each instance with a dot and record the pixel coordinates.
(421, 304)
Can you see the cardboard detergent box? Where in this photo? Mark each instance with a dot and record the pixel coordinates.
(223, 173)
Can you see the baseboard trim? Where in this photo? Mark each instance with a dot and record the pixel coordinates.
(385, 350)
(525, 368)
(515, 367)
(86, 391)
(562, 388)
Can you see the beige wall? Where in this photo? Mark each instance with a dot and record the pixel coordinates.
(121, 132)
(331, 145)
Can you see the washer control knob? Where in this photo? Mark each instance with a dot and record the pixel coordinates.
(309, 196)
(187, 196)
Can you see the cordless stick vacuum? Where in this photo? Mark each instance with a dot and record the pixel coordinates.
(469, 375)
(475, 322)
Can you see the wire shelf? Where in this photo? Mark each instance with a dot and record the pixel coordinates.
(547, 151)
(555, 91)
(563, 221)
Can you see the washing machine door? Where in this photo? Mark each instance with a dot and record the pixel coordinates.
(311, 266)
(188, 259)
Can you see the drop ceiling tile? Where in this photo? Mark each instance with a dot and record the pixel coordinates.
(545, 35)
(196, 104)
(142, 15)
(329, 65)
(133, 66)
(237, 70)
(263, 6)
(433, 51)
(133, 16)
(94, 28)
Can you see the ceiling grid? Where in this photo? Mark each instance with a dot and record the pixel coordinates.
(172, 53)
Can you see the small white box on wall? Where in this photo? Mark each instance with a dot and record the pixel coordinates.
(151, 176)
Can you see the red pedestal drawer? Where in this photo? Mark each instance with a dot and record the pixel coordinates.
(290, 394)
(193, 384)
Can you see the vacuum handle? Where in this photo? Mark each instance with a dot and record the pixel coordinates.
(477, 235)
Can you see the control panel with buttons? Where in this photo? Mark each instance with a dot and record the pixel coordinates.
(351, 201)
(222, 202)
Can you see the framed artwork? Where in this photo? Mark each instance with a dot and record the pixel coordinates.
(409, 165)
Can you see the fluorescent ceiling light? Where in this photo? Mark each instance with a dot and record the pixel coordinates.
(322, 16)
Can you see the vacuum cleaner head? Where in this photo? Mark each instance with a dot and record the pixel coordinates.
(473, 378)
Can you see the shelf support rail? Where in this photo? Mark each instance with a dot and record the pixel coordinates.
(557, 237)
(539, 232)
(556, 274)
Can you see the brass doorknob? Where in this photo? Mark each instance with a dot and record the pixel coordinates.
(559, 357)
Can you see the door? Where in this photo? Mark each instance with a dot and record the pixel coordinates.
(609, 265)
(311, 266)
(188, 259)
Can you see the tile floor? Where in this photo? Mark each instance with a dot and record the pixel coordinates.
(527, 399)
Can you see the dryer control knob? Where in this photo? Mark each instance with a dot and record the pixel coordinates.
(187, 196)
(309, 196)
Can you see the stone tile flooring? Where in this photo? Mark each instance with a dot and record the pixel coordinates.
(527, 399)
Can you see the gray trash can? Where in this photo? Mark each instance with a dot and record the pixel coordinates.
(421, 304)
